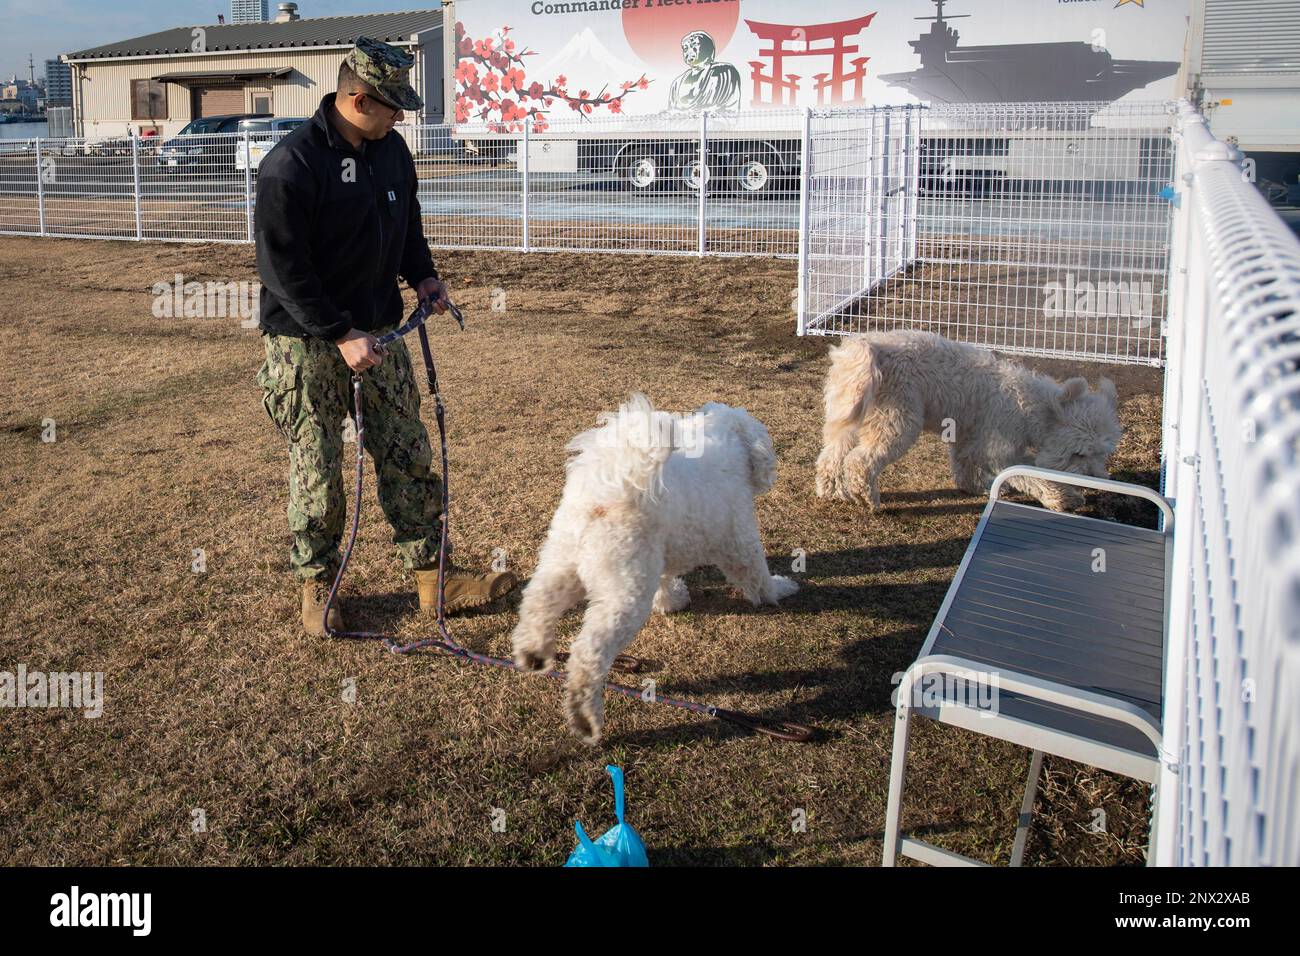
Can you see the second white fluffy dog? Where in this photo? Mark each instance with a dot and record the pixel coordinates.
(648, 497)
(885, 388)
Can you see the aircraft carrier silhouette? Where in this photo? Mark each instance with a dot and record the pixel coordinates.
(1018, 72)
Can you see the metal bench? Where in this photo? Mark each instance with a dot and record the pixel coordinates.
(1052, 636)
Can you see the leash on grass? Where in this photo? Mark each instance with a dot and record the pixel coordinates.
(445, 643)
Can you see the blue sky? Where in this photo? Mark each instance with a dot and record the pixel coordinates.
(46, 28)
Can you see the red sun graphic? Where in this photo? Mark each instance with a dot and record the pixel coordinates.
(655, 33)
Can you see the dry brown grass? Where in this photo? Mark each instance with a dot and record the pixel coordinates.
(215, 701)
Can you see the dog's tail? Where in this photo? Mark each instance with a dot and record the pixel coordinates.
(627, 450)
(850, 389)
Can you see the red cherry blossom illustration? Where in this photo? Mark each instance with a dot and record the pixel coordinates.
(493, 88)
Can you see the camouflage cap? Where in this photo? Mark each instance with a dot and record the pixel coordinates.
(386, 68)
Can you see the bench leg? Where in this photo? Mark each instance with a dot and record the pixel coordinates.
(1155, 824)
(897, 773)
(1027, 809)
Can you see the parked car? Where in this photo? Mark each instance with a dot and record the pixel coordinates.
(263, 134)
(113, 147)
(206, 145)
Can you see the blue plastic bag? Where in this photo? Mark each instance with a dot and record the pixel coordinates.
(618, 846)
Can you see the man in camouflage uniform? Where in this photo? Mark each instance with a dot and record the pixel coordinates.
(338, 220)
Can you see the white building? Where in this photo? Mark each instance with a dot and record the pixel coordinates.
(160, 83)
(248, 11)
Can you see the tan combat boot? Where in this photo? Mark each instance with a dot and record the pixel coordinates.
(464, 590)
(315, 594)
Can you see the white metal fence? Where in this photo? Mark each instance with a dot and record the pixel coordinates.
(1031, 227)
(607, 185)
(198, 188)
(987, 230)
(1231, 794)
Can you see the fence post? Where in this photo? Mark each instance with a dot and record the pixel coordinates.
(248, 187)
(1183, 358)
(40, 187)
(805, 182)
(701, 238)
(912, 176)
(135, 177)
(1190, 135)
(1202, 152)
(525, 148)
(869, 188)
(886, 188)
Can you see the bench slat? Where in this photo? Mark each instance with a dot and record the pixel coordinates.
(1029, 602)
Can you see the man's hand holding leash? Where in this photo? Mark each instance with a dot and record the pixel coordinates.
(360, 350)
(433, 291)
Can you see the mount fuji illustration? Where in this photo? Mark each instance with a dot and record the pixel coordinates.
(587, 63)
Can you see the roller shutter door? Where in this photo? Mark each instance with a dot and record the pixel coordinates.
(218, 100)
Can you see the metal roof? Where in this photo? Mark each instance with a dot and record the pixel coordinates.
(312, 32)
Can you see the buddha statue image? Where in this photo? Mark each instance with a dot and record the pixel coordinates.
(706, 86)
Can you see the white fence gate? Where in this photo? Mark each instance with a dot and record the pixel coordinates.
(1036, 228)
(860, 211)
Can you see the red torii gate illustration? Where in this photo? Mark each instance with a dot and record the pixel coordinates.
(785, 87)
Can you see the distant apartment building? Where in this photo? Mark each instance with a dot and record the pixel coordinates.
(58, 83)
(248, 11)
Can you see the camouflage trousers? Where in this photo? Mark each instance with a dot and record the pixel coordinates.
(307, 391)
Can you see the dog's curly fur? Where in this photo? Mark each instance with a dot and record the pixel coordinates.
(885, 388)
(648, 497)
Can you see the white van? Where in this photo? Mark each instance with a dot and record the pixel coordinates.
(263, 134)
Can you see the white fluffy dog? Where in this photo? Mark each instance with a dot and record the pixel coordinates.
(649, 496)
(884, 388)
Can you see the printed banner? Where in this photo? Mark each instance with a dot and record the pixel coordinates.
(554, 58)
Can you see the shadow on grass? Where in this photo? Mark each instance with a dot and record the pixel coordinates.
(391, 612)
(860, 686)
(760, 854)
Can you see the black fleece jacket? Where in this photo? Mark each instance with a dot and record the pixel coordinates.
(335, 227)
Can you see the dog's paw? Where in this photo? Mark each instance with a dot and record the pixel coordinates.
(861, 489)
(534, 660)
(586, 715)
(1064, 502)
(834, 489)
(779, 588)
(826, 485)
(868, 498)
(674, 597)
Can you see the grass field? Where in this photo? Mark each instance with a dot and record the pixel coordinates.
(216, 702)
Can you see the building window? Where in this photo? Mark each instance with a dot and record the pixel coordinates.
(262, 101)
(148, 100)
